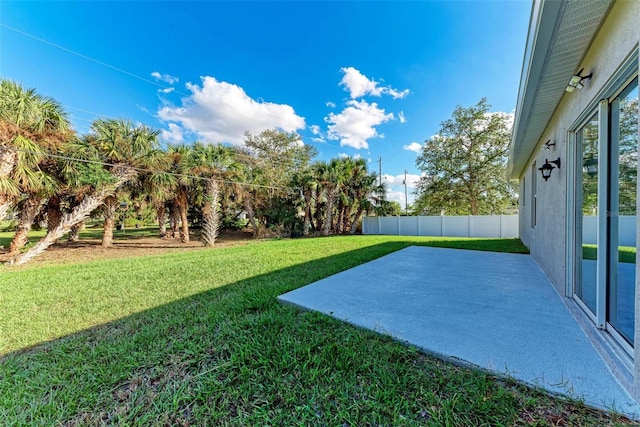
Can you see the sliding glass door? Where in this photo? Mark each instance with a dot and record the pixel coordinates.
(587, 214)
(623, 211)
(606, 189)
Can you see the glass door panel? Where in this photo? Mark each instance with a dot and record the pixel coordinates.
(586, 215)
(623, 211)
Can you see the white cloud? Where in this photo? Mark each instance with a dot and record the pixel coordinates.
(315, 129)
(397, 196)
(401, 117)
(166, 90)
(414, 146)
(322, 140)
(174, 135)
(354, 125)
(331, 104)
(359, 85)
(396, 94)
(392, 180)
(221, 112)
(165, 78)
(345, 155)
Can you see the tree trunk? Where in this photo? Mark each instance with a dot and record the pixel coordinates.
(28, 213)
(4, 210)
(211, 213)
(161, 213)
(175, 219)
(329, 219)
(307, 213)
(354, 225)
(109, 211)
(474, 206)
(74, 232)
(8, 158)
(54, 213)
(248, 206)
(81, 212)
(319, 210)
(338, 220)
(184, 221)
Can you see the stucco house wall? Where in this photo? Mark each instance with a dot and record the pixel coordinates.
(616, 40)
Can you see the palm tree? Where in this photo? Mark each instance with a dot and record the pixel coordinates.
(156, 186)
(118, 142)
(180, 167)
(36, 189)
(212, 163)
(29, 124)
(362, 190)
(306, 183)
(329, 178)
(115, 154)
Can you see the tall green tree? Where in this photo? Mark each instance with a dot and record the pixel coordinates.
(464, 165)
(120, 141)
(125, 154)
(182, 168)
(213, 164)
(30, 124)
(270, 163)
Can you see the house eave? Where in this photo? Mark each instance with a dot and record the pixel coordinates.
(548, 67)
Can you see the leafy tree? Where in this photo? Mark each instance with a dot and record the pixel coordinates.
(179, 155)
(628, 154)
(389, 208)
(125, 153)
(214, 164)
(30, 124)
(270, 165)
(465, 165)
(119, 141)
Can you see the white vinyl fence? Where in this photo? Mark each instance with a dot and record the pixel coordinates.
(626, 230)
(496, 226)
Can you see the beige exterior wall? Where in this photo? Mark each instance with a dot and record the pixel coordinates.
(615, 42)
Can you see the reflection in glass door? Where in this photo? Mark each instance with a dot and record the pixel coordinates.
(606, 192)
(621, 216)
(586, 215)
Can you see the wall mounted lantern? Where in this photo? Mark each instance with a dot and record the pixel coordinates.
(548, 167)
(577, 81)
(590, 166)
(549, 144)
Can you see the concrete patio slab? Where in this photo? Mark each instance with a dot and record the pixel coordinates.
(494, 310)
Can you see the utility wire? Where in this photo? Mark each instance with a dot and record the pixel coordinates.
(120, 70)
(88, 58)
(139, 169)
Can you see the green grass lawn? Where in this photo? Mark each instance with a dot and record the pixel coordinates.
(198, 338)
(625, 253)
(87, 233)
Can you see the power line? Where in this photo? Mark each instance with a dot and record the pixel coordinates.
(88, 58)
(138, 169)
(120, 70)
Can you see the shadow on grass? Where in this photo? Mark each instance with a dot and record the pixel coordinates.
(234, 355)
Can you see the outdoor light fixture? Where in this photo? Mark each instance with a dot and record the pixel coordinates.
(577, 80)
(549, 144)
(548, 167)
(590, 166)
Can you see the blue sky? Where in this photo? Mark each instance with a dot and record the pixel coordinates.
(368, 79)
